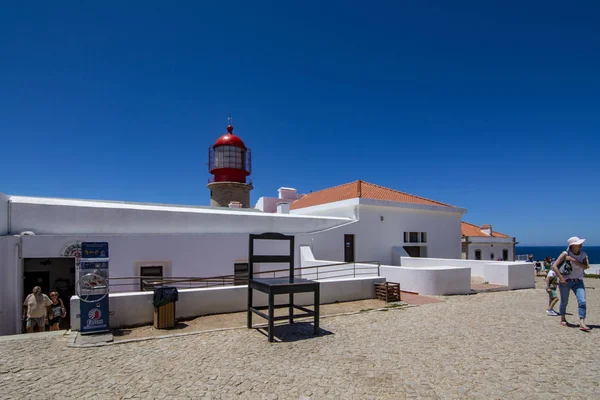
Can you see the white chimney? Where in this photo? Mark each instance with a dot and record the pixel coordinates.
(283, 208)
(287, 193)
(487, 229)
(235, 204)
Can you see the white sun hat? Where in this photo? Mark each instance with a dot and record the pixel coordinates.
(573, 241)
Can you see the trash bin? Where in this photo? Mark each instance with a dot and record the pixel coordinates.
(164, 301)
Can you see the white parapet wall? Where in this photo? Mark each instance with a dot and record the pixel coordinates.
(135, 308)
(515, 276)
(435, 281)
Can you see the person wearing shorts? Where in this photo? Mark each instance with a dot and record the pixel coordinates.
(551, 285)
(57, 311)
(35, 308)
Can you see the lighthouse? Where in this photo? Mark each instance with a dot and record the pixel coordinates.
(229, 161)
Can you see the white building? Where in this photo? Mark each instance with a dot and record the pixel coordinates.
(482, 243)
(40, 238)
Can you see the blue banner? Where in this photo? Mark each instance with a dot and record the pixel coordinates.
(94, 250)
(94, 315)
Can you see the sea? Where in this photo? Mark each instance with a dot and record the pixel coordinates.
(541, 252)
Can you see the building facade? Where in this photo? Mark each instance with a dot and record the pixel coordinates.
(482, 243)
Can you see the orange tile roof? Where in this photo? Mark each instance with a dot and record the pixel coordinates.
(362, 189)
(468, 229)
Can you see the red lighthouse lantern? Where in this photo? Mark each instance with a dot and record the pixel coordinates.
(230, 163)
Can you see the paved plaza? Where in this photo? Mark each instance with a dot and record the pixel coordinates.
(484, 346)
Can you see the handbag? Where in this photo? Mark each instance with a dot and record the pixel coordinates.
(566, 267)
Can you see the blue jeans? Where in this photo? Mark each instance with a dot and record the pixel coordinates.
(579, 289)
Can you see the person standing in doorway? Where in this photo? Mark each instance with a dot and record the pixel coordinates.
(57, 311)
(35, 308)
(572, 280)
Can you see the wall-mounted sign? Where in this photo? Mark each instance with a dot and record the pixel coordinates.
(94, 250)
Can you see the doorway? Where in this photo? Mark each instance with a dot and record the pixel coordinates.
(348, 248)
(52, 275)
(413, 251)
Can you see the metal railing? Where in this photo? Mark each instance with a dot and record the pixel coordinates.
(326, 271)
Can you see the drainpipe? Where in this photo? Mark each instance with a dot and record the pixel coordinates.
(8, 217)
(18, 283)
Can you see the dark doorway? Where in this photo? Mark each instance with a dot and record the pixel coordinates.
(38, 278)
(413, 251)
(348, 248)
(52, 275)
(505, 255)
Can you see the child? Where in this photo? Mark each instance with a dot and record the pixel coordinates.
(551, 285)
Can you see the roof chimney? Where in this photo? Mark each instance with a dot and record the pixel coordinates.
(283, 208)
(235, 204)
(487, 229)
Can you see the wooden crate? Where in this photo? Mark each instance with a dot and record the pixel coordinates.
(164, 316)
(388, 291)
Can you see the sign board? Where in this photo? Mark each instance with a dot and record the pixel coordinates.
(94, 316)
(94, 250)
(93, 287)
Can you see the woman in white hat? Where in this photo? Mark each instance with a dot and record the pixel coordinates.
(572, 280)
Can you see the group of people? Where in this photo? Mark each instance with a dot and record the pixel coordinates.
(40, 310)
(566, 275)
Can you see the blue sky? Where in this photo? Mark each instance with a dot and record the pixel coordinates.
(491, 106)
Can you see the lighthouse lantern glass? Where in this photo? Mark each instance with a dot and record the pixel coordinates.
(229, 157)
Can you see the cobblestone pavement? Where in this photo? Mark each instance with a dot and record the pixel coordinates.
(490, 345)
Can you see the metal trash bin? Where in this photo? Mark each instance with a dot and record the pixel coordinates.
(164, 301)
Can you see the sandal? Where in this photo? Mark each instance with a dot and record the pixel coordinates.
(585, 328)
(564, 323)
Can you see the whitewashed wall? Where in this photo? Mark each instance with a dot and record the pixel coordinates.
(433, 281)
(11, 283)
(376, 238)
(64, 217)
(136, 308)
(3, 214)
(488, 248)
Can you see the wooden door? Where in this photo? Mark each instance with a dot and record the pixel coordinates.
(348, 248)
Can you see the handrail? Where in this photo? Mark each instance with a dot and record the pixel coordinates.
(224, 280)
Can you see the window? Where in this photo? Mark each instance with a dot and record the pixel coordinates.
(491, 256)
(415, 237)
(505, 254)
(478, 254)
(147, 273)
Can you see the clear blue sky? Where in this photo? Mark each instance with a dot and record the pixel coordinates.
(491, 106)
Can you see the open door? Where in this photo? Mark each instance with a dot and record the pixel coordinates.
(348, 248)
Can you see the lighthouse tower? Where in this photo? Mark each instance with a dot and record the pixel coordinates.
(229, 161)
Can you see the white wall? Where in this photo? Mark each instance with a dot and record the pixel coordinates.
(433, 281)
(188, 255)
(488, 248)
(136, 308)
(3, 214)
(11, 294)
(477, 267)
(515, 276)
(376, 238)
(63, 217)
